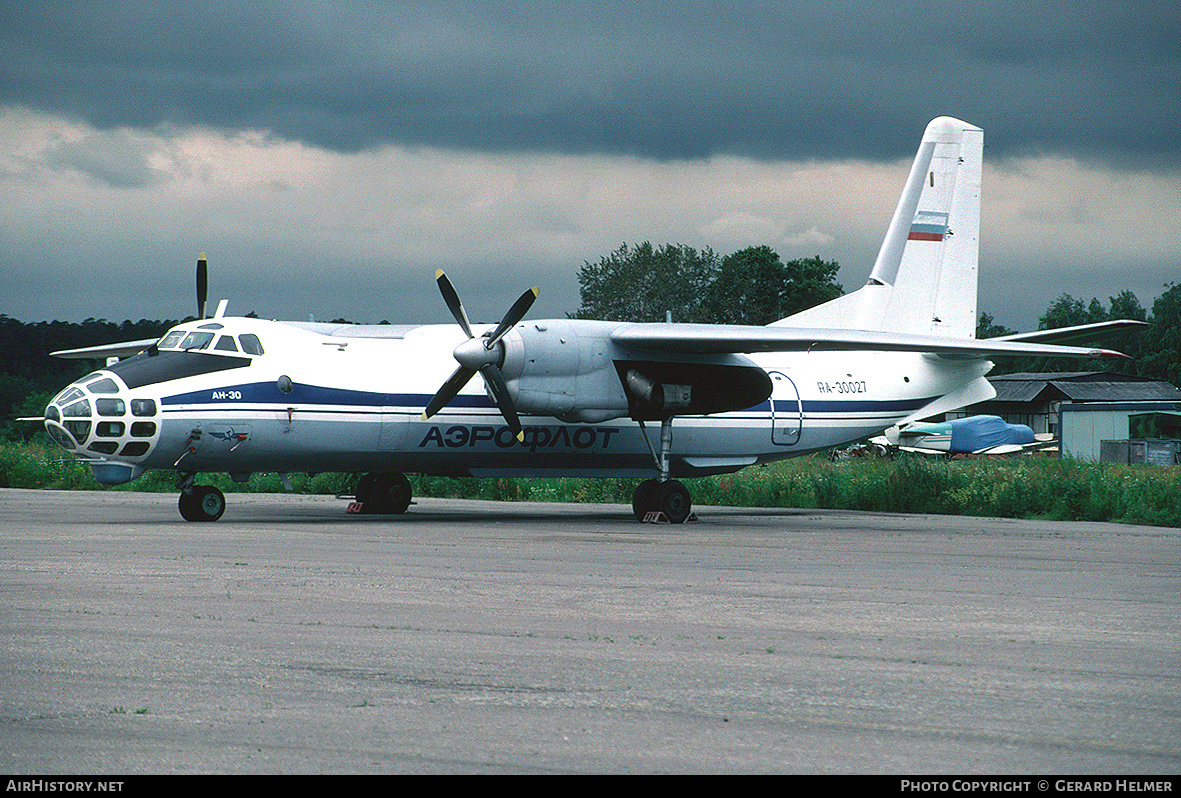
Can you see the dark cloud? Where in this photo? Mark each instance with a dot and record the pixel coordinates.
(675, 80)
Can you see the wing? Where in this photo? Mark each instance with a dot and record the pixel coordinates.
(729, 338)
(125, 349)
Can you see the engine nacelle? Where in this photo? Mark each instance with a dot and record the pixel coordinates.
(564, 368)
(571, 369)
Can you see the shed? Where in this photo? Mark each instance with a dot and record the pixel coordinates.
(1086, 426)
(1036, 399)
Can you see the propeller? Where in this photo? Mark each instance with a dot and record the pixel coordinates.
(202, 285)
(484, 354)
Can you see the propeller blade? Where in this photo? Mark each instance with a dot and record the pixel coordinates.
(500, 393)
(514, 315)
(202, 285)
(480, 355)
(450, 388)
(453, 304)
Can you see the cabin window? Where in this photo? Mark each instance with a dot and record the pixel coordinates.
(250, 344)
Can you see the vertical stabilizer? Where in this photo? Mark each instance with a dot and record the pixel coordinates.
(925, 275)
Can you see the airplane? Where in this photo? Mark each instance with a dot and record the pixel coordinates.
(979, 435)
(561, 397)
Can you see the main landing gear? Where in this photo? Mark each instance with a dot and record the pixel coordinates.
(386, 493)
(662, 499)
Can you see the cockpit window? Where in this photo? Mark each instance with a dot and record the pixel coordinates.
(197, 340)
(250, 344)
(226, 344)
(171, 340)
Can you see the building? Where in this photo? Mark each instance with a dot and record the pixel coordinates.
(1120, 432)
(1036, 400)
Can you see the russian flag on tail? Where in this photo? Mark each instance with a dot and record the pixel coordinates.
(928, 226)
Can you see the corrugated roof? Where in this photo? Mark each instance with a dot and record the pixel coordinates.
(1018, 390)
(1082, 386)
(1119, 391)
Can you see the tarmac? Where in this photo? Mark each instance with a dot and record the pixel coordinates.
(482, 637)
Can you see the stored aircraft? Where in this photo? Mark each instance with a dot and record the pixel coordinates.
(561, 397)
(981, 435)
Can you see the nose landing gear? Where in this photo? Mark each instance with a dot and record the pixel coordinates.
(201, 503)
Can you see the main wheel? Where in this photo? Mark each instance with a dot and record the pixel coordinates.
(643, 500)
(202, 503)
(673, 499)
(384, 493)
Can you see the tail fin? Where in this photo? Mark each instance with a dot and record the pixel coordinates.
(924, 278)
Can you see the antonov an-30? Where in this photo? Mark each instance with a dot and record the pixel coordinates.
(561, 397)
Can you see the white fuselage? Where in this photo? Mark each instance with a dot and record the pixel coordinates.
(319, 399)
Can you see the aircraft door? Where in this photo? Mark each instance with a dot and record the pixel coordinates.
(787, 412)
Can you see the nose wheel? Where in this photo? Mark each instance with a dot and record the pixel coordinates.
(202, 503)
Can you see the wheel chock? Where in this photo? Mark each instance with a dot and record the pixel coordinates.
(354, 507)
(657, 517)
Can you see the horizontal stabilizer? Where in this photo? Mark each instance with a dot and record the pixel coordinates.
(1083, 334)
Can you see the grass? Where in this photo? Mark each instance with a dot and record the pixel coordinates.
(1028, 487)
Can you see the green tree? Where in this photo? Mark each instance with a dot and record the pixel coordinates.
(751, 286)
(1162, 342)
(1125, 305)
(643, 283)
(1070, 312)
(754, 286)
(1066, 311)
(986, 327)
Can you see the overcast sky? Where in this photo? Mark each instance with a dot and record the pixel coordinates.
(329, 156)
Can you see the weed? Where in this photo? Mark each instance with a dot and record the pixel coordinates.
(1028, 487)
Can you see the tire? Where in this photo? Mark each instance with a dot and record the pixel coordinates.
(673, 499)
(202, 503)
(643, 500)
(384, 493)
